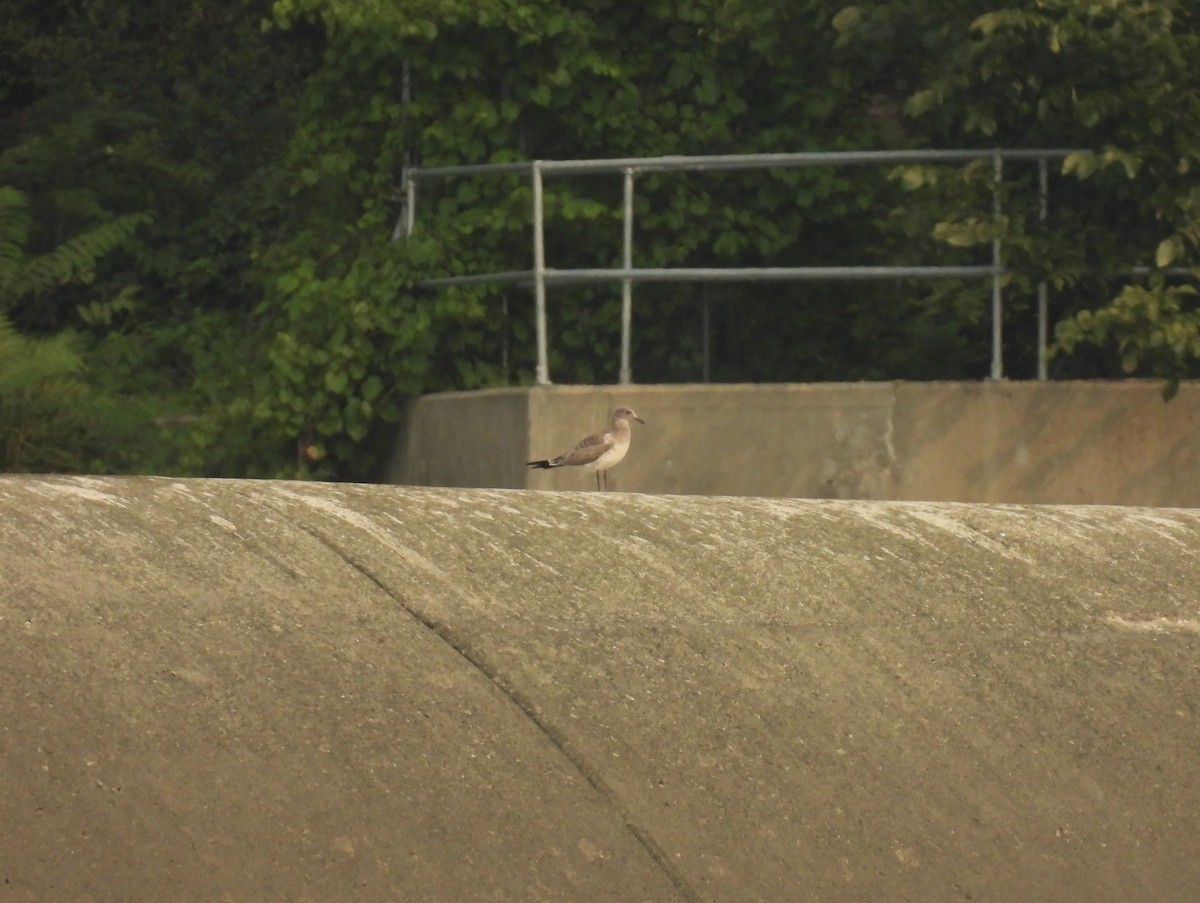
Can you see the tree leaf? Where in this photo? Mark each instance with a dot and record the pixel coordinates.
(1167, 251)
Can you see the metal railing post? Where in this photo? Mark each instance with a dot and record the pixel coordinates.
(403, 226)
(410, 203)
(539, 276)
(627, 283)
(1042, 305)
(997, 271)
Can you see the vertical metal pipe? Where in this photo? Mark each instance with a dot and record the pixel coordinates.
(410, 203)
(404, 223)
(627, 283)
(997, 310)
(539, 278)
(1042, 309)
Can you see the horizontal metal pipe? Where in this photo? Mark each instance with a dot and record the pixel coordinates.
(746, 161)
(724, 274)
(494, 278)
(1168, 271)
(749, 274)
(766, 274)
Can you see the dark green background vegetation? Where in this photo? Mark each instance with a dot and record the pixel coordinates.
(197, 202)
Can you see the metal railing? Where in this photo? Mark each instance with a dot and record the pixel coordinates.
(540, 275)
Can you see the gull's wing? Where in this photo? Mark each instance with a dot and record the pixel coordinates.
(587, 450)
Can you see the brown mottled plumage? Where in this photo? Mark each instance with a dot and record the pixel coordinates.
(597, 452)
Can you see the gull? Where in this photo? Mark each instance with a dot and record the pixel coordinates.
(597, 452)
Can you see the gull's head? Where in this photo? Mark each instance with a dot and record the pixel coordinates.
(626, 414)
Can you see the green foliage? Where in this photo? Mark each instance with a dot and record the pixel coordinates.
(500, 81)
(25, 363)
(208, 192)
(73, 261)
(1116, 80)
(49, 418)
(350, 348)
(171, 117)
(1154, 329)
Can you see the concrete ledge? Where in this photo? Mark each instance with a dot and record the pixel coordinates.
(241, 690)
(1023, 442)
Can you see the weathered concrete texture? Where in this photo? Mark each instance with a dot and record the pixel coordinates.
(1059, 442)
(267, 691)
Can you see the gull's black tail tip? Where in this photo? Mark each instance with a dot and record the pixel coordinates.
(539, 465)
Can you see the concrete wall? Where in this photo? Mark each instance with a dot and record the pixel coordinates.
(1059, 442)
(233, 690)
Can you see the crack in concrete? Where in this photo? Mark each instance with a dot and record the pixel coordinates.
(529, 709)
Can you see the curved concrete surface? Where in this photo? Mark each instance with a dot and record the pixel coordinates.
(277, 691)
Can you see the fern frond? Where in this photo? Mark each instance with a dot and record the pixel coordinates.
(75, 257)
